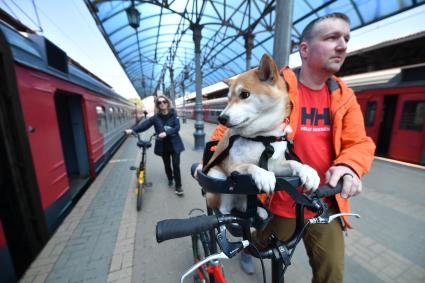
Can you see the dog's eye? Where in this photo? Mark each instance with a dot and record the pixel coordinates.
(244, 95)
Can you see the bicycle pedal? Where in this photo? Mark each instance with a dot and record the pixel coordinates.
(133, 168)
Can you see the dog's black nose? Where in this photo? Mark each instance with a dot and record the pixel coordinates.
(223, 119)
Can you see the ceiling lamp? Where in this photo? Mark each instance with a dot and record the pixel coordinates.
(133, 16)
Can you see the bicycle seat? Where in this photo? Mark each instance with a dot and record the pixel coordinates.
(146, 144)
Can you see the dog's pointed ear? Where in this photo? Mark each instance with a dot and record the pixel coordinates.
(228, 82)
(267, 70)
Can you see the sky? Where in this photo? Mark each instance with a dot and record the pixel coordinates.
(69, 25)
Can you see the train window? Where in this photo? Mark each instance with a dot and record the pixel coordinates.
(412, 117)
(111, 117)
(116, 116)
(122, 115)
(101, 119)
(370, 113)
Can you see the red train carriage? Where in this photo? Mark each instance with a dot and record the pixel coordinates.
(393, 103)
(59, 125)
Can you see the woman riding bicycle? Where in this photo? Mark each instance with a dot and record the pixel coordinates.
(169, 143)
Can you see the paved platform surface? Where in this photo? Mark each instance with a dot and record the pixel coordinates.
(104, 239)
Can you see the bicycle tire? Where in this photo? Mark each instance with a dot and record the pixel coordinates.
(200, 275)
(140, 190)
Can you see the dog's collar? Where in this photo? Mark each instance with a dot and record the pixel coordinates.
(270, 139)
(284, 124)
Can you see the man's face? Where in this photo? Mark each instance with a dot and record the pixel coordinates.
(328, 47)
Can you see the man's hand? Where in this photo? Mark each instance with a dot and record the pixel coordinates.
(128, 131)
(351, 186)
(162, 135)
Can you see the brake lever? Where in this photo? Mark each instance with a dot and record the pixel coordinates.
(325, 219)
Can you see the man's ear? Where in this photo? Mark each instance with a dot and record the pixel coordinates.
(303, 49)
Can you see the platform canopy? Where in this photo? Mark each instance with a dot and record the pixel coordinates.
(157, 51)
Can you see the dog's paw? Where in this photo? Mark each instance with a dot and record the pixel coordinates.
(264, 180)
(262, 213)
(309, 178)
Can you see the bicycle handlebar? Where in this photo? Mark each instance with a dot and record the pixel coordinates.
(177, 228)
(238, 183)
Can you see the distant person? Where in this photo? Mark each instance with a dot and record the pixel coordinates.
(169, 144)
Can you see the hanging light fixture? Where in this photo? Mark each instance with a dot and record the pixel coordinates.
(186, 72)
(133, 16)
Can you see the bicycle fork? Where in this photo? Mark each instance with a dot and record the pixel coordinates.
(213, 257)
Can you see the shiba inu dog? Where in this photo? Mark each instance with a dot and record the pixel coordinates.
(259, 105)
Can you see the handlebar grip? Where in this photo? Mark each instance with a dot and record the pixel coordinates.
(327, 191)
(193, 169)
(177, 228)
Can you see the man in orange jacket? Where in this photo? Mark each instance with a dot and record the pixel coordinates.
(329, 135)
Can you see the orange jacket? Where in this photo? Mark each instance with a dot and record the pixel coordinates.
(351, 145)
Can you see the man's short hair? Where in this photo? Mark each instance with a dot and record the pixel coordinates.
(307, 33)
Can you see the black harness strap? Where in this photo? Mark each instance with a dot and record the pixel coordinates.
(290, 153)
(268, 149)
(221, 156)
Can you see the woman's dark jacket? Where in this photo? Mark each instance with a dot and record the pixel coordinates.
(169, 124)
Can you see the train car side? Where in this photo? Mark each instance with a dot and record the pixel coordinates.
(394, 118)
(61, 118)
(59, 124)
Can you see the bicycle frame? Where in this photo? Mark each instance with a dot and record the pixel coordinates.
(141, 170)
(206, 270)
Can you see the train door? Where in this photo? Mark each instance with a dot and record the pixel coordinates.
(73, 138)
(407, 141)
(23, 229)
(386, 124)
(372, 111)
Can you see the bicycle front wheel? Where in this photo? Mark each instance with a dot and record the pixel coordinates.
(200, 251)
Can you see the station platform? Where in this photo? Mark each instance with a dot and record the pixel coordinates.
(104, 238)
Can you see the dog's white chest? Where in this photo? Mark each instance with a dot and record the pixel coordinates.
(247, 151)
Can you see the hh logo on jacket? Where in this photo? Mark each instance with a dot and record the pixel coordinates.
(315, 120)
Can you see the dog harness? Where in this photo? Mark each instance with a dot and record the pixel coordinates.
(252, 200)
(265, 155)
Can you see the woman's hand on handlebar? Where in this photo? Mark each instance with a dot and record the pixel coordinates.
(128, 131)
(352, 185)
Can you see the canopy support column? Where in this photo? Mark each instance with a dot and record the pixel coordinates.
(172, 90)
(199, 133)
(282, 39)
(249, 44)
